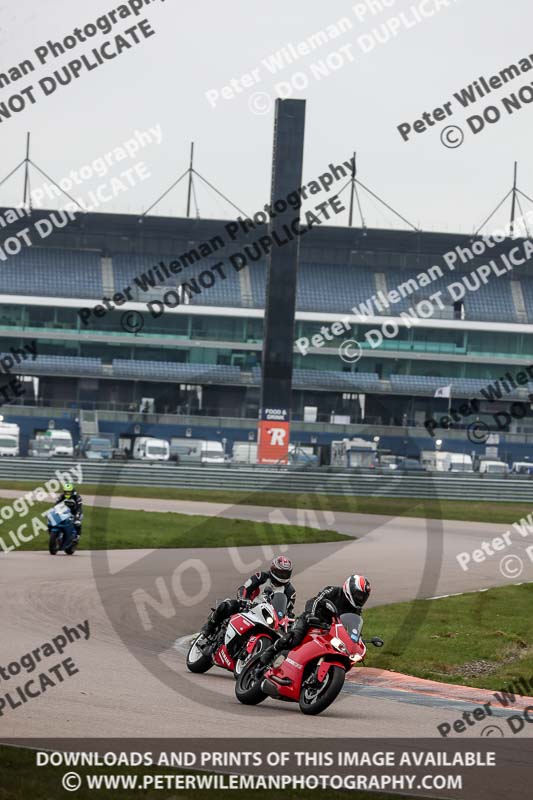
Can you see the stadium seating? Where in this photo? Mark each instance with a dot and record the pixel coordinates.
(164, 370)
(462, 387)
(325, 287)
(332, 288)
(61, 365)
(322, 287)
(396, 278)
(258, 281)
(330, 379)
(527, 290)
(224, 291)
(493, 301)
(53, 273)
(225, 374)
(345, 381)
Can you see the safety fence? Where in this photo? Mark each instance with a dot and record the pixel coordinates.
(471, 486)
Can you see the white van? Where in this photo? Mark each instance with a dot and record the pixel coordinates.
(146, 448)
(493, 467)
(522, 467)
(185, 451)
(244, 453)
(61, 441)
(212, 452)
(9, 439)
(459, 462)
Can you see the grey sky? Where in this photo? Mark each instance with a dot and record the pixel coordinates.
(203, 45)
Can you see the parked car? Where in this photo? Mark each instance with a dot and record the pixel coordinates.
(387, 462)
(119, 454)
(411, 465)
(40, 448)
(97, 448)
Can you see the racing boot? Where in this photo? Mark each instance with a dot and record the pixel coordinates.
(77, 533)
(210, 626)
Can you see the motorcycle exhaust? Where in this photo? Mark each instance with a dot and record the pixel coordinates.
(270, 689)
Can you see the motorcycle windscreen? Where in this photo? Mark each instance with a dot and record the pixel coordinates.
(279, 604)
(54, 518)
(353, 624)
(60, 512)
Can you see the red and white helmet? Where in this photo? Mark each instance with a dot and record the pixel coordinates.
(357, 590)
(280, 570)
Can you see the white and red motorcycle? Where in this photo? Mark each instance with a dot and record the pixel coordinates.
(241, 636)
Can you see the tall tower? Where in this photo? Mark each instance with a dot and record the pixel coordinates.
(280, 300)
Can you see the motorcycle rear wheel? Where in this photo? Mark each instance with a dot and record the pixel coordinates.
(197, 661)
(248, 687)
(315, 701)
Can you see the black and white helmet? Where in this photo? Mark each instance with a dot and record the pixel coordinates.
(280, 570)
(357, 590)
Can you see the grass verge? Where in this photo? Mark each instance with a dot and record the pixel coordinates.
(21, 780)
(483, 639)
(113, 529)
(468, 510)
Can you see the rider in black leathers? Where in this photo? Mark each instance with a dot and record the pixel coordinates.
(73, 501)
(277, 577)
(348, 598)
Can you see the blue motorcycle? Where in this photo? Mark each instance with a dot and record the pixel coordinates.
(62, 532)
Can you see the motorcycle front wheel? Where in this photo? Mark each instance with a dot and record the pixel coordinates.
(248, 687)
(262, 643)
(315, 699)
(53, 545)
(197, 660)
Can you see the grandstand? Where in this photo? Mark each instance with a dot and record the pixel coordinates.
(203, 358)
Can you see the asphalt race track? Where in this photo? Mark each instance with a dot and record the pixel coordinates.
(132, 680)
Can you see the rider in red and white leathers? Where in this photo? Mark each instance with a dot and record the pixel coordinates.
(277, 579)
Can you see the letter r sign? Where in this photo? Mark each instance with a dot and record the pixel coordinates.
(273, 442)
(277, 436)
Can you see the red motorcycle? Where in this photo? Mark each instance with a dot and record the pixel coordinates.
(313, 673)
(242, 636)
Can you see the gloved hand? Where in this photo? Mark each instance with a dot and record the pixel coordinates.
(77, 523)
(244, 604)
(312, 620)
